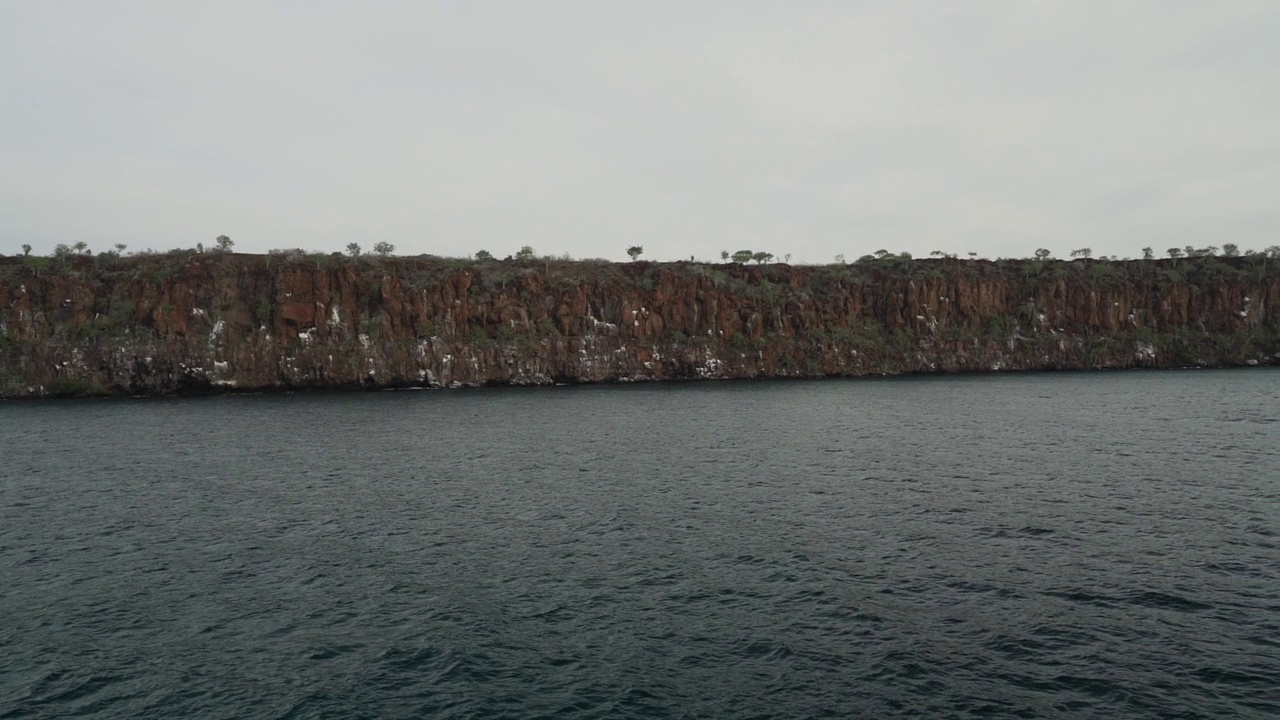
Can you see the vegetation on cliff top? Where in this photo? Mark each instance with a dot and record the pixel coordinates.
(113, 265)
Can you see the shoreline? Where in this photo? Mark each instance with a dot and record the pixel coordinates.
(369, 390)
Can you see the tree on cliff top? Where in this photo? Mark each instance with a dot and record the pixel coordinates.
(761, 256)
(353, 249)
(384, 248)
(224, 243)
(634, 251)
(743, 256)
(526, 253)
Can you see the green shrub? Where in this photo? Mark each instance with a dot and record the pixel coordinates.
(37, 263)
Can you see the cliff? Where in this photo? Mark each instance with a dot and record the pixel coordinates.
(186, 322)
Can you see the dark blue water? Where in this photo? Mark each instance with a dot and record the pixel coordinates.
(1074, 545)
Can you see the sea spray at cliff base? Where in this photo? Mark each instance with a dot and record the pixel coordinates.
(208, 322)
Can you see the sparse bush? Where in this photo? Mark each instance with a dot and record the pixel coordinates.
(36, 263)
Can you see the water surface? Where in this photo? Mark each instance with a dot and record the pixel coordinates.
(1057, 545)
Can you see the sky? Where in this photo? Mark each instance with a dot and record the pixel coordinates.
(805, 129)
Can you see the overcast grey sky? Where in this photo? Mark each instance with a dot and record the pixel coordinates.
(811, 128)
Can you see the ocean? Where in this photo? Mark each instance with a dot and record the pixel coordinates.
(1023, 545)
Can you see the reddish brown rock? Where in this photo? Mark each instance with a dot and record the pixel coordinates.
(184, 322)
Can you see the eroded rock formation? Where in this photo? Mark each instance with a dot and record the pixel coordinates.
(185, 322)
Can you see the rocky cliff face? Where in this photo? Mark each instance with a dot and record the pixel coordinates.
(185, 322)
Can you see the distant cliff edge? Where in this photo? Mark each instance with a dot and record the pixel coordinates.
(186, 322)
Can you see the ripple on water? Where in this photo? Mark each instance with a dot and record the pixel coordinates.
(1016, 546)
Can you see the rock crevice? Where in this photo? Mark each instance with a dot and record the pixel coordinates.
(185, 322)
